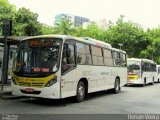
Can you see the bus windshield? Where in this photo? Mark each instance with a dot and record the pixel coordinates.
(133, 66)
(37, 58)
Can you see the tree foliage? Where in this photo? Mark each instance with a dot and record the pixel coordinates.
(26, 24)
(153, 49)
(47, 29)
(136, 42)
(63, 27)
(7, 11)
(130, 35)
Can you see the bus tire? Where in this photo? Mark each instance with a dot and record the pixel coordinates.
(144, 83)
(158, 80)
(81, 92)
(117, 87)
(152, 83)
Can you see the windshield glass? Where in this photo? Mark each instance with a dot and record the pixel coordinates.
(38, 57)
(133, 66)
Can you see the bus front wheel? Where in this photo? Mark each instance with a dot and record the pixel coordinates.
(80, 92)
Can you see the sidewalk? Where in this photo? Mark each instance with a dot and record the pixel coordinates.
(6, 93)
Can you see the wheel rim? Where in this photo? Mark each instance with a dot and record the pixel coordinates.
(81, 91)
(153, 80)
(117, 85)
(144, 82)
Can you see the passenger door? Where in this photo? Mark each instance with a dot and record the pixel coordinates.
(68, 71)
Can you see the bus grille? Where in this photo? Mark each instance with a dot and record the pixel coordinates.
(31, 84)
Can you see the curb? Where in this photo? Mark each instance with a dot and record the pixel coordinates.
(7, 95)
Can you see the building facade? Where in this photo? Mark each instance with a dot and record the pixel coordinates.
(76, 20)
(101, 23)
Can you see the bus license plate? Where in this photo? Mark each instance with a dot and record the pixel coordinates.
(29, 90)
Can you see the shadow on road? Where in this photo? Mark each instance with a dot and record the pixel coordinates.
(71, 100)
(140, 85)
(66, 101)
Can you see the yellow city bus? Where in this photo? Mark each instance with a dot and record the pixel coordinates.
(60, 66)
(141, 71)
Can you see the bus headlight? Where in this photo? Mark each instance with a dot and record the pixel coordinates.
(14, 81)
(51, 82)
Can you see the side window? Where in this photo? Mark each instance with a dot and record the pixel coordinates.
(68, 57)
(108, 57)
(88, 55)
(83, 54)
(100, 56)
(116, 58)
(153, 67)
(159, 70)
(97, 56)
(81, 57)
(119, 58)
(146, 66)
(94, 56)
(123, 60)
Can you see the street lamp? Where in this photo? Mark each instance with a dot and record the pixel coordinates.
(120, 46)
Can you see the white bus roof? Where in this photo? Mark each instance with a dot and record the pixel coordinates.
(139, 59)
(96, 42)
(49, 36)
(118, 50)
(81, 39)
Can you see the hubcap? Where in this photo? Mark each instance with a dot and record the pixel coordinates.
(117, 85)
(81, 91)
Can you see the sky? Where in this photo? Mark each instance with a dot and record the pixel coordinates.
(144, 12)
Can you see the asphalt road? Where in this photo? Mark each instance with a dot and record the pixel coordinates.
(131, 100)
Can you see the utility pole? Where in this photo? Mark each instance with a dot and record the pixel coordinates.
(120, 46)
(6, 31)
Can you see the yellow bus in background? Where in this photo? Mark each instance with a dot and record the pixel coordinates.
(141, 71)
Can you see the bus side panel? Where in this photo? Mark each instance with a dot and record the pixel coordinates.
(158, 77)
(158, 73)
(149, 77)
(98, 77)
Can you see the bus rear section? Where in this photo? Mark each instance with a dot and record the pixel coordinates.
(141, 71)
(158, 74)
(134, 72)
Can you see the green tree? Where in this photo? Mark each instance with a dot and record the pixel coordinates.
(153, 49)
(129, 34)
(92, 30)
(7, 11)
(47, 29)
(26, 24)
(63, 27)
(78, 31)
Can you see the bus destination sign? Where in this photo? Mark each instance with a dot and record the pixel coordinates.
(39, 43)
